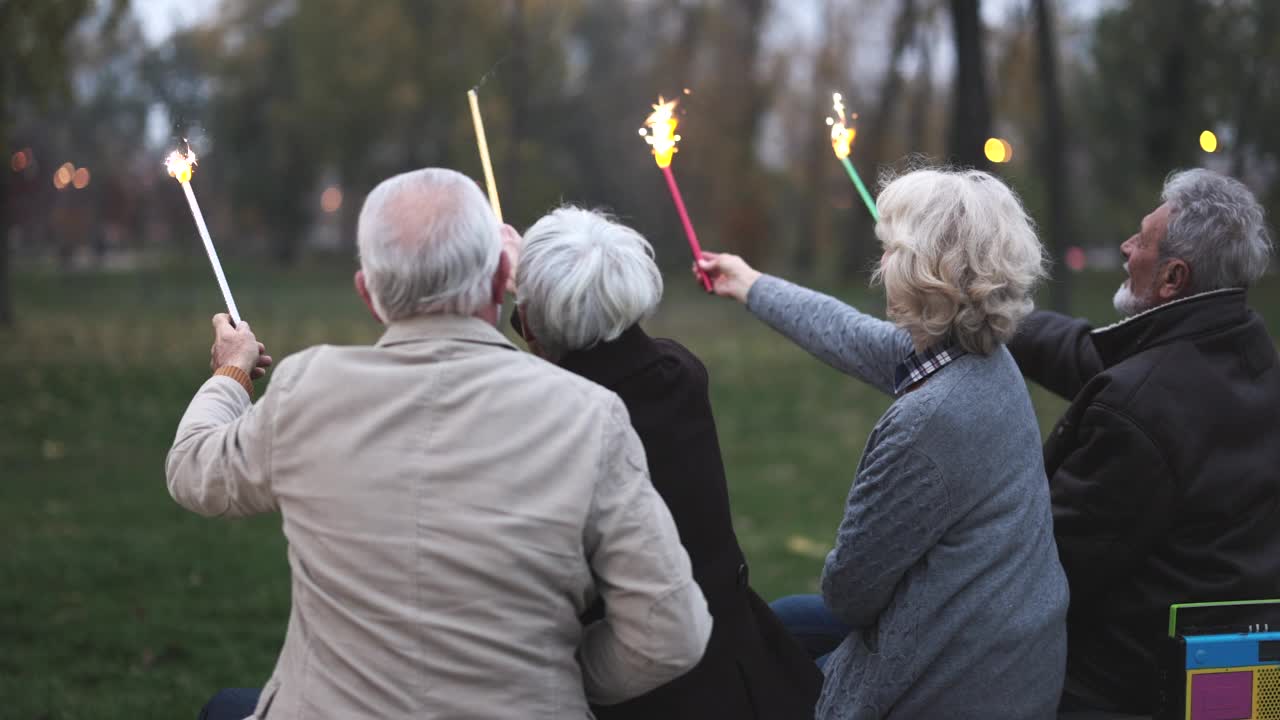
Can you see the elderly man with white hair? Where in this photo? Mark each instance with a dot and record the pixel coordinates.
(584, 285)
(944, 589)
(1165, 470)
(452, 505)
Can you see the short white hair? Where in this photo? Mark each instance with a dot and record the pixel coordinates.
(962, 258)
(429, 244)
(1217, 227)
(584, 279)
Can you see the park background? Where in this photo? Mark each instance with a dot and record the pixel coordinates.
(114, 602)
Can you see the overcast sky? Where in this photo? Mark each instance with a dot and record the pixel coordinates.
(161, 17)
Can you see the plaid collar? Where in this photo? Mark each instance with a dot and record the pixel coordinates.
(919, 365)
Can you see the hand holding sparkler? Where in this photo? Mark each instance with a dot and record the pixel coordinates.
(236, 346)
(180, 166)
(730, 275)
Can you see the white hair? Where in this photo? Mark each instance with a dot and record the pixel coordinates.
(961, 258)
(1217, 227)
(429, 244)
(584, 279)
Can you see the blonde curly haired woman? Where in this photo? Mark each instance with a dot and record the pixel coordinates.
(944, 591)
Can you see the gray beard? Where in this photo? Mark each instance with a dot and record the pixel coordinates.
(1128, 304)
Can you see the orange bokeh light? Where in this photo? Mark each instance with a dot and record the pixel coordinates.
(63, 176)
(331, 199)
(19, 161)
(80, 180)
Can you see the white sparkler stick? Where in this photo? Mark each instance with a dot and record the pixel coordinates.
(213, 254)
(180, 167)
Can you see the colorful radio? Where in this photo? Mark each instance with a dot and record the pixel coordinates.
(1223, 662)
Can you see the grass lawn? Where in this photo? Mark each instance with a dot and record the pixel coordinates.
(115, 603)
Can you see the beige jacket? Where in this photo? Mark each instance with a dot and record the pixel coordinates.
(451, 506)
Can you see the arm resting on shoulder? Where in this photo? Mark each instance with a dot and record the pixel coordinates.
(220, 462)
(656, 624)
(896, 512)
(1056, 352)
(852, 342)
(1113, 497)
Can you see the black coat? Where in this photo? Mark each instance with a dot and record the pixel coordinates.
(752, 668)
(1164, 474)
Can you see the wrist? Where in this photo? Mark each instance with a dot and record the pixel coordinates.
(239, 374)
(749, 282)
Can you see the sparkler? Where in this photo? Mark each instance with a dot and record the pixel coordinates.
(842, 137)
(180, 166)
(489, 183)
(661, 136)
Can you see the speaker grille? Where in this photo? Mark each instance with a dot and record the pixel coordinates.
(1268, 694)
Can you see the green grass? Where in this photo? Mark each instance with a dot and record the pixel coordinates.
(114, 602)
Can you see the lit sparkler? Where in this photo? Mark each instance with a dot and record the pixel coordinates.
(661, 136)
(180, 166)
(842, 137)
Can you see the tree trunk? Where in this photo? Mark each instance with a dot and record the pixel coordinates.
(744, 218)
(6, 303)
(519, 96)
(971, 109)
(1053, 156)
(922, 100)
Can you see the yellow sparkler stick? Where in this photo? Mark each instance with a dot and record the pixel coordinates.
(489, 182)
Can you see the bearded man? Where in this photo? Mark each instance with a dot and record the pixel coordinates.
(1165, 471)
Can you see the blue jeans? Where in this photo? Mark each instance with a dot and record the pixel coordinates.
(809, 621)
(231, 704)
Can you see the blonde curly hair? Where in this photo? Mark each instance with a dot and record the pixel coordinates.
(961, 258)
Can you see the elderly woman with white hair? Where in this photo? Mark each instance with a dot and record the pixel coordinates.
(584, 283)
(944, 589)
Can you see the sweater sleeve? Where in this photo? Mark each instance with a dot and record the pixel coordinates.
(1057, 352)
(849, 341)
(897, 510)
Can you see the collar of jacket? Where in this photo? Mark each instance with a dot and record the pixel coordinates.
(608, 363)
(1183, 318)
(426, 328)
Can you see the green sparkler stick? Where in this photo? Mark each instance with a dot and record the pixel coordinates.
(862, 189)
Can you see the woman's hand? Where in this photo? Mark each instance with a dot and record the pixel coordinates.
(730, 275)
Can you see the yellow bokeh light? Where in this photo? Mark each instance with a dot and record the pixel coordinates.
(1208, 141)
(331, 199)
(80, 180)
(998, 150)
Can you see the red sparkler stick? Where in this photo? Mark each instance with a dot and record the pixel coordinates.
(688, 226)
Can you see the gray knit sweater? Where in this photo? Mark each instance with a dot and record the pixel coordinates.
(945, 560)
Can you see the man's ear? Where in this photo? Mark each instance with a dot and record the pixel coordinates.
(498, 290)
(1174, 280)
(363, 291)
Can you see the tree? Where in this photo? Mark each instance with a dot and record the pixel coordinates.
(1053, 153)
(971, 107)
(33, 67)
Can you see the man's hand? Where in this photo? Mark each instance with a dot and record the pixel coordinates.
(237, 347)
(730, 275)
(511, 245)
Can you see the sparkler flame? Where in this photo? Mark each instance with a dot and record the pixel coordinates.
(661, 133)
(180, 165)
(842, 135)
